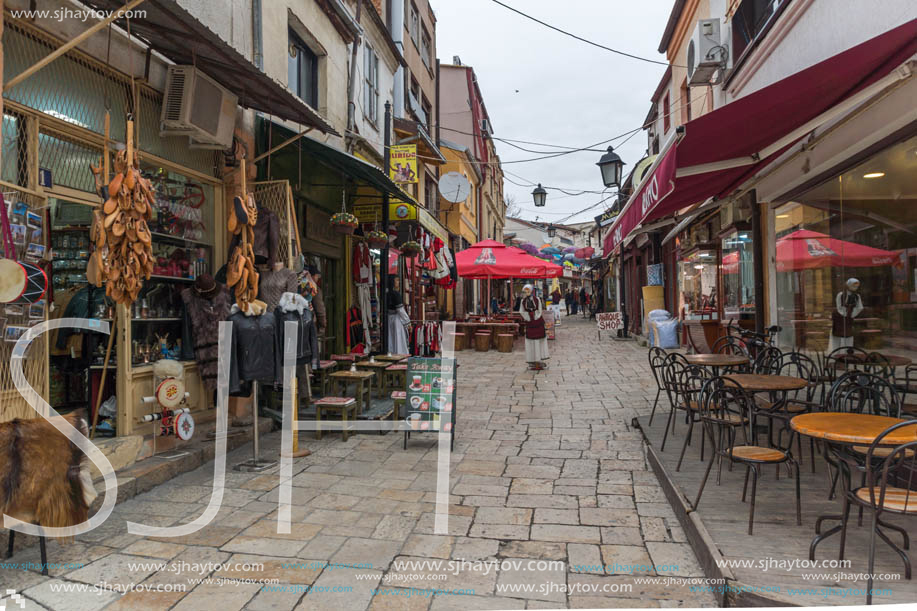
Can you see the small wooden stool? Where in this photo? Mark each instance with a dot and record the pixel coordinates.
(482, 341)
(349, 358)
(505, 342)
(345, 406)
(398, 399)
(459, 342)
(395, 376)
(322, 371)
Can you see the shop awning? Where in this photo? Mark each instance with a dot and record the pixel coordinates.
(492, 259)
(171, 30)
(718, 151)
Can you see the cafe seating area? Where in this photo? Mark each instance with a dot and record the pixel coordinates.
(766, 454)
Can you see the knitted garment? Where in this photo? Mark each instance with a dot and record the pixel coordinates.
(273, 284)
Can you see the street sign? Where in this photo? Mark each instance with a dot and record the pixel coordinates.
(609, 321)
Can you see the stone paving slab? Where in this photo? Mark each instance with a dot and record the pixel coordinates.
(546, 468)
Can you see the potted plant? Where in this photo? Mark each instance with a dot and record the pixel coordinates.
(376, 238)
(344, 222)
(411, 248)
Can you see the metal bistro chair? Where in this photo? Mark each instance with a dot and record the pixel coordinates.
(767, 360)
(890, 487)
(690, 382)
(674, 364)
(657, 358)
(732, 345)
(908, 387)
(725, 409)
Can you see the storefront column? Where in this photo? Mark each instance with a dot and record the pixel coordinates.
(757, 236)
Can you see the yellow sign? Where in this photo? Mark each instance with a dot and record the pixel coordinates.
(403, 163)
(397, 211)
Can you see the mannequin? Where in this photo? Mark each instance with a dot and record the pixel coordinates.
(275, 281)
(397, 319)
(848, 305)
(536, 342)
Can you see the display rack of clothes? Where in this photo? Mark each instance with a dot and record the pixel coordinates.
(425, 338)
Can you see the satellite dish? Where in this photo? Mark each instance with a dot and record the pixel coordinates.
(454, 187)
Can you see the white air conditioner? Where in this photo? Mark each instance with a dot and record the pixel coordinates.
(195, 105)
(707, 53)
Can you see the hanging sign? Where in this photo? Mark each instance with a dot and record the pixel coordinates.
(403, 163)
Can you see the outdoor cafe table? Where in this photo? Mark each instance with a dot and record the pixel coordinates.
(363, 382)
(392, 358)
(760, 382)
(841, 431)
(894, 360)
(377, 366)
(715, 361)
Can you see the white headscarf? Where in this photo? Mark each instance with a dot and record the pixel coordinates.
(529, 287)
(851, 282)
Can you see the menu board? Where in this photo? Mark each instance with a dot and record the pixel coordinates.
(549, 322)
(430, 404)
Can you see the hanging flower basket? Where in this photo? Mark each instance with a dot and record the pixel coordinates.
(344, 222)
(411, 248)
(377, 239)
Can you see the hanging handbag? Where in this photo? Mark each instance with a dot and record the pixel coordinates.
(20, 282)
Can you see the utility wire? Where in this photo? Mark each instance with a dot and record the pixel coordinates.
(581, 39)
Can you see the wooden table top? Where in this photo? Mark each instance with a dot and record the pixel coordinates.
(853, 429)
(353, 375)
(376, 364)
(893, 359)
(758, 382)
(392, 357)
(716, 360)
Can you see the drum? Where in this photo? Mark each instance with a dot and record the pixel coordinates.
(21, 282)
(184, 426)
(170, 393)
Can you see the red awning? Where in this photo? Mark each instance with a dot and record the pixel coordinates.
(721, 149)
(492, 259)
(806, 249)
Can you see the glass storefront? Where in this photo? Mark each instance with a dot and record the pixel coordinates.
(846, 259)
(738, 276)
(697, 282)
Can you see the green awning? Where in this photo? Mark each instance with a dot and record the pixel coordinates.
(346, 165)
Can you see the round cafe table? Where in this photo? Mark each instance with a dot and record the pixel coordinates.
(760, 382)
(715, 361)
(894, 360)
(842, 432)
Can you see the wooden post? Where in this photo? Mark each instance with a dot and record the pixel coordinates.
(111, 339)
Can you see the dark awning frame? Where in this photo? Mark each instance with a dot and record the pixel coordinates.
(171, 30)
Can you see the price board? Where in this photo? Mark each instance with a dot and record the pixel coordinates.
(430, 397)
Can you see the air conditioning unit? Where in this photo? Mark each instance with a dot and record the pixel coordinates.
(196, 106)
(706, 52)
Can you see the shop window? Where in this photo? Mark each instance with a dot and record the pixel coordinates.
(697, 281)
(858, 225)
(371, 84)
(302, 70)
(738, 276)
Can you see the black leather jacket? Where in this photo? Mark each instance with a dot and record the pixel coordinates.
(307, 335)
(255, 349)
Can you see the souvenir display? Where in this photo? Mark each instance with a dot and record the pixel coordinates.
(170, 392)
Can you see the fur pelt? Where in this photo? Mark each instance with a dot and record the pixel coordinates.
(44, 477)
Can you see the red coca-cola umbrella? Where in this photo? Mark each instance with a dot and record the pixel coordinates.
(806, 249)
(492, 259)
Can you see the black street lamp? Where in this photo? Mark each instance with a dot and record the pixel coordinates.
(540, 195)
(552, 231)
(612, 167)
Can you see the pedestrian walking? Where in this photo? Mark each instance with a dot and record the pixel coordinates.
(567, 300)
(536, 341)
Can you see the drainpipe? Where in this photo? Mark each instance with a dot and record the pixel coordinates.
(398, 38)
(257, 42)
(351, 105)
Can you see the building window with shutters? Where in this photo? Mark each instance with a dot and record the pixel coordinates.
(370, 85)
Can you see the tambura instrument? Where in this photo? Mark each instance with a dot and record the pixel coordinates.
(183, 424)
(21, 282)
(170, 393)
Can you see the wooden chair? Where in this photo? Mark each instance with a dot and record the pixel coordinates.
(725, 409)
(345, 407)
(890, 487)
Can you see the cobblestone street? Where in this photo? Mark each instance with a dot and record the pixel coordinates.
(546, 467)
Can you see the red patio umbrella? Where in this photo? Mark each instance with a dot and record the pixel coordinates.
(804, 249)
(492, 259)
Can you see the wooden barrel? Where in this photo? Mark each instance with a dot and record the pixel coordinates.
(482, 341)
(505, 342)
(459, 341)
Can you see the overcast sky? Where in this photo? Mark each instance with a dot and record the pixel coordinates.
(542, 86)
